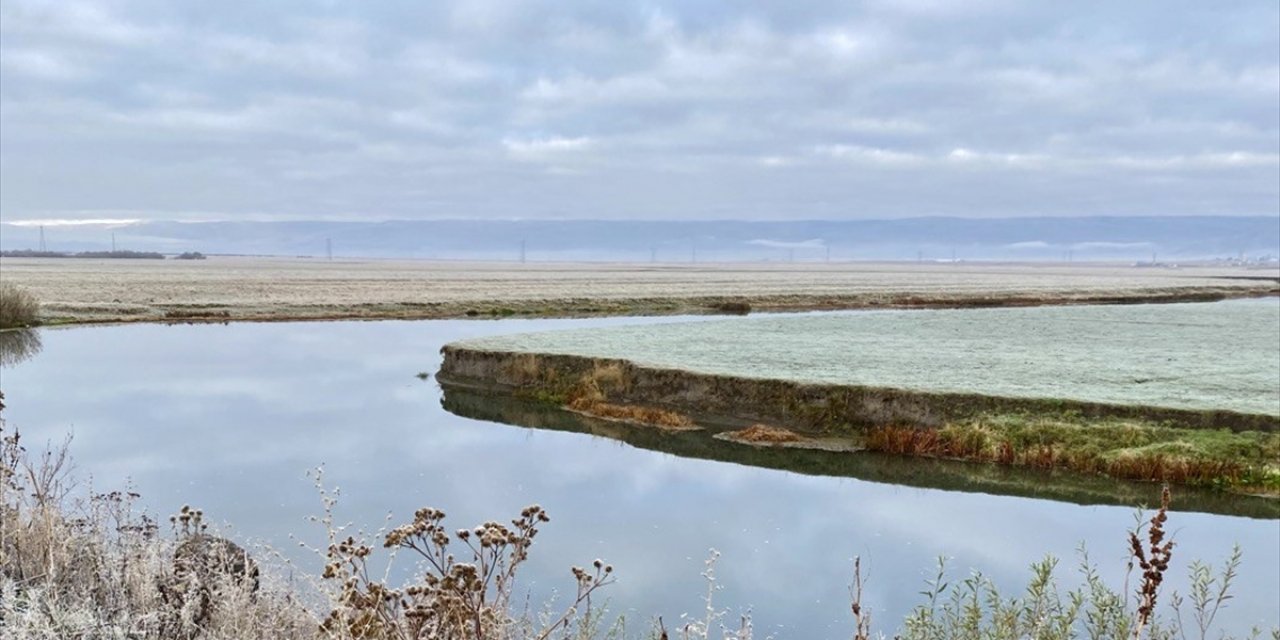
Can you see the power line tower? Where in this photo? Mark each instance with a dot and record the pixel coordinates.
(113, 242)
(42, 245)
(653, 255)
(523, 255)
(328, 248)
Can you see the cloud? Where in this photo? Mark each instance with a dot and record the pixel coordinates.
(40, 64)
(1224, 159)
(869, 155)
(320, 59)
(541, 149)
(630, 109)
(967, 156)
(78, 22)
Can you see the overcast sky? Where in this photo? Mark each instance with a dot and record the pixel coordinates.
(798, 109)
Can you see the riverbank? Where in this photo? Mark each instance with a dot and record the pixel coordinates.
(1226, 449)
(708, 443)
(225, 289)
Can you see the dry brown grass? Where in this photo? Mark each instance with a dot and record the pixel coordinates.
(764, 434)
(591, 395)
(90, 566)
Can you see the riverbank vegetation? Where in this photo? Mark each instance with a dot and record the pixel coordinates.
(18, 307)
(1125, 449)
(1218, 449)
(830, 457)
(76, 564)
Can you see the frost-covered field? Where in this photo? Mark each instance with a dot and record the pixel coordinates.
(277, 288)
(1221, 355)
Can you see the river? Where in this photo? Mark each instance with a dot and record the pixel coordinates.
(231, 417)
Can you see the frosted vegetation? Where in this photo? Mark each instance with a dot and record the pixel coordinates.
(244, 287)
(1220, 355)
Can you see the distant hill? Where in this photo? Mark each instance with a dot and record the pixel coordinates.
(1043, 239)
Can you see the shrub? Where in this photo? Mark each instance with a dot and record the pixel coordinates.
(18, 308)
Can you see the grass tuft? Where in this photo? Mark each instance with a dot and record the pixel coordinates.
(18, 307)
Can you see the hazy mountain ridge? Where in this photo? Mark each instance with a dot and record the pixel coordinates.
(1085, 238)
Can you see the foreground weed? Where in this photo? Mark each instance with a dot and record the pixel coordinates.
(452, 598)
(93, 567)
(974, 607)
(700, 628)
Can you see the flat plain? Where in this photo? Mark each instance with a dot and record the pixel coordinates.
(246, 288)
(1201, 356)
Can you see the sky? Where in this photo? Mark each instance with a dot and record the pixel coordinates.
(807, 109)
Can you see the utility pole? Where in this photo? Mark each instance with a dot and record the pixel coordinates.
(522, 251)
(113, 242)
(791, 255)
(828, 253)
(919, 256)
(653, 255)
(328, 248)
(42, 246)
(693, 252)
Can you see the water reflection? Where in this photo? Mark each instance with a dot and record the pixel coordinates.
(18, 345)
(229, 418)
(914, 472)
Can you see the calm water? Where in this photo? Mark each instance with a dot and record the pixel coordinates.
(229, 418)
